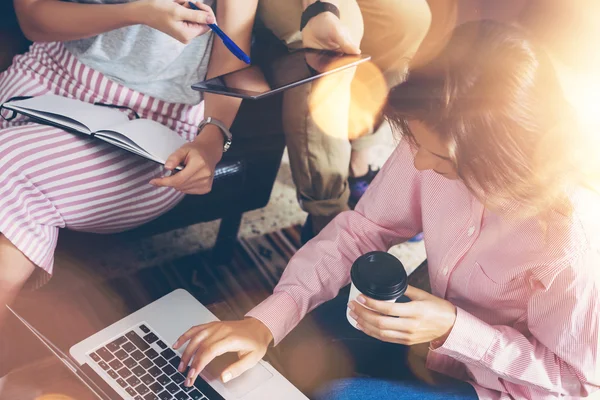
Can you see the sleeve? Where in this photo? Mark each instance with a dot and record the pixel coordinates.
(560, 357)
(388, 213)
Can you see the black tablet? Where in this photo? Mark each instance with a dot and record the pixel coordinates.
(288, 71)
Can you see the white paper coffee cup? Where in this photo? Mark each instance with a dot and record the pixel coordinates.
(378, 275)
(354, 292)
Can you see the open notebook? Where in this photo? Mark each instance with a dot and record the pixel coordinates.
(143, 137)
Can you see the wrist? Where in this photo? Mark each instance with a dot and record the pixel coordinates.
(451, 318)
(210, 141)
(439, 342)
(210, 134)
(306, 3)
(264, 333)
(318, 10)
(135, 12)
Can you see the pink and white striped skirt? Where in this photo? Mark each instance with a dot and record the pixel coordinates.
(51, 179)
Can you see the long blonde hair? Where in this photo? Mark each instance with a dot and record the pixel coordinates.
(494, 98)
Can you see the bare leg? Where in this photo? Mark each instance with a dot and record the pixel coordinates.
(15, 268)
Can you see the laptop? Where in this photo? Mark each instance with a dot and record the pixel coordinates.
(288, 71)
(132, 359)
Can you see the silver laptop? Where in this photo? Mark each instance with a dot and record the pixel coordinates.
(132, 359)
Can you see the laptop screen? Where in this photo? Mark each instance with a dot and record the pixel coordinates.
(83, 373)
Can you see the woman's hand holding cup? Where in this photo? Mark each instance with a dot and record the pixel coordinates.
(426, 318)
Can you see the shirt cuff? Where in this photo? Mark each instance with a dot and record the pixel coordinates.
(469, 340)
(279, 312)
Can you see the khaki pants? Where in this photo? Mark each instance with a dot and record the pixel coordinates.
(320, 119)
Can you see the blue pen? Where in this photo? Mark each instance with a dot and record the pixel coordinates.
(235, 50)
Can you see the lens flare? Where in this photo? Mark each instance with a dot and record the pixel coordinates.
(583, 92)
(569, 31)
(581, 87)
(347, 104)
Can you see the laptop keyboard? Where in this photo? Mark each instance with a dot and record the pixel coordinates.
(146, 368)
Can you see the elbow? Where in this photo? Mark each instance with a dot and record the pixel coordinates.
(32, 33)
(30, 26)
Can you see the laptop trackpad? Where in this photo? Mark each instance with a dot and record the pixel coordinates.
(244, 383)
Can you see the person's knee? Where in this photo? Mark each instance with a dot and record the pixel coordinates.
(325, 182)
(395, 30)
(411, 18)
(15, 267)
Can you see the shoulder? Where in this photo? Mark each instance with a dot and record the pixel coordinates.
(401, 159)
(573, 242)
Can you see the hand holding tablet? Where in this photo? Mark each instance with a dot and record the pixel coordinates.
(291, 70)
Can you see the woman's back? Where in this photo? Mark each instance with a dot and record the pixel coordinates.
(146, 59)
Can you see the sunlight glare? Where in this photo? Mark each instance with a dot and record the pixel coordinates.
(347, 104)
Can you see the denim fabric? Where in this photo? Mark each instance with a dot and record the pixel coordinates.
(380, 389)
(328, 359)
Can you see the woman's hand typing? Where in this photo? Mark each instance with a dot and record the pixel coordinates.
(249, 338)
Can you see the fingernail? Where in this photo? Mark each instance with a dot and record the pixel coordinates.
(361, 300)
(353, 315)
(226, 377)
(191, 374)
(351, 306)
(359, 327)
(210, 20)
(175, 344)
(181, 367)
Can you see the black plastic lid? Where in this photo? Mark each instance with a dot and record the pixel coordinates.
(379, 275)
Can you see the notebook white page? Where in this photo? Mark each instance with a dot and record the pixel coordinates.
(154, 138)
(70, 112)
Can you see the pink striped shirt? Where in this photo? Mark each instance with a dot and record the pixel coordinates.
(528, 320)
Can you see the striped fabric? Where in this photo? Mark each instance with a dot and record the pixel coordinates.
(51, 179)
(528, 298)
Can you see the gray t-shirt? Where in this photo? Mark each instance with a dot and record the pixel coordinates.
(147, 60)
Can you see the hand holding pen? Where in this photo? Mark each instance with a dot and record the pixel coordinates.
(172, 18)
(231, 46)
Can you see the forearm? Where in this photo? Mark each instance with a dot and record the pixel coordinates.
(389, 213)
(236, 18)
(319, 270)
(54, 20)
(223, 108)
